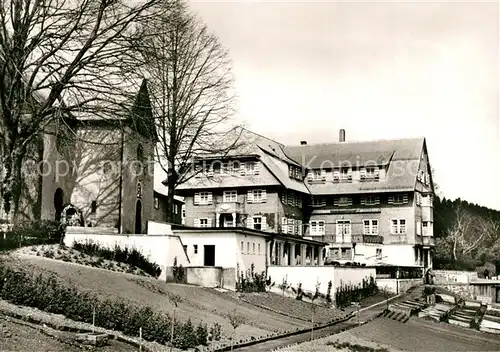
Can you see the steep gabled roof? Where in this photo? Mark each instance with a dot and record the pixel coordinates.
(400, 156)
(379, 152)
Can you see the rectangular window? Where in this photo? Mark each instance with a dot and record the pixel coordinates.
(258, 248)
(290, 171)
(195, 248)
(425, 228)
(398, 199)
(203, 222)
(290, 198)
(257, 223)
(250, 168)
(253, 247)
(379, 253)
(398, 226)
(230, 196)
(241, 246)
(345, 174)
(370, 200)
(317, 227)
(257, 196)
(342, 201)
(248, 247)
(203, 198)
(318, 201)
(370, 227)
(343, 231)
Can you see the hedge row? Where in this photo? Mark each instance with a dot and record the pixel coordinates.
(45, 232)
(45, 292)
(129, 256)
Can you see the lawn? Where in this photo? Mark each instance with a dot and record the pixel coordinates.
(291, 307)
(15, 336)
(197, 303)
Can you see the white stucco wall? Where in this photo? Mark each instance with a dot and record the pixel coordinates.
(352, 276)
(225, 247)
(246, 258)
(401, 255)
(161, 249)
(309, 276)
(367, 253)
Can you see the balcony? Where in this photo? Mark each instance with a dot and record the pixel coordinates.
(428, 241)
(369, 178)
(376, 239)
(401, 238)
(229, 207)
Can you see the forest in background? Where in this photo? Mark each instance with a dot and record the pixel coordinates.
(467, 236)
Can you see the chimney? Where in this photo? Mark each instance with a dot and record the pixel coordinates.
(303, 142)
(342, 135)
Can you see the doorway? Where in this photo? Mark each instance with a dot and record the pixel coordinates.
(209, 255)
(58, 203)
(138, 217)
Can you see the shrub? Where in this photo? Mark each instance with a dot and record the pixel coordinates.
(348, 293)
(45, 292)
(250, 281)
(131, 257)
(44, 232)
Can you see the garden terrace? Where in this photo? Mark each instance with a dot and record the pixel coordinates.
(200, 305)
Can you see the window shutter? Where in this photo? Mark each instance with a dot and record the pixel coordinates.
(250, 196)
(405, 198)
(209, 201)
(263, 224)
(339, 229)
(283, 198)
(419, 228)
(196, 222)
(256, 167)
(242, 169)
(196, 198)
(391, 200)
(250, 222)
(264, 196)
(284, 224)
(363, 201)
(299, 227)
(209, 222)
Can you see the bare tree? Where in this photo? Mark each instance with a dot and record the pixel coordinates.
(59, 58)
(190, 82)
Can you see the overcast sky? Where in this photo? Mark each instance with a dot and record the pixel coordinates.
(304, 70)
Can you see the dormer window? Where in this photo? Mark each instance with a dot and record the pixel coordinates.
(345, 174)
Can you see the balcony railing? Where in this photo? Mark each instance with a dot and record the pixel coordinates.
(228, 207)
(368, 239)
(428, 241)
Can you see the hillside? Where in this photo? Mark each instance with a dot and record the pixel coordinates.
(200, 305)
(467, 236)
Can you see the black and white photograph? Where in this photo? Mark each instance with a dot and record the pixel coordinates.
(249, 175)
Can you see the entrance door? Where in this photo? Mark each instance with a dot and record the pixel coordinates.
(58, 203)
(209, 255)
(138, 217)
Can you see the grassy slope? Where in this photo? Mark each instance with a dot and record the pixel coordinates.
(22, 338)
(198, 304)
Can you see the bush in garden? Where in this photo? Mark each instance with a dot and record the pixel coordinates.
(123, 255)
(250, 281)
(44, 232)
(45, 292)
(329, 293)
(348, 293)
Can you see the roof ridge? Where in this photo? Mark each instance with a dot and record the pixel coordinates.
(260, 135)
(357, 141)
